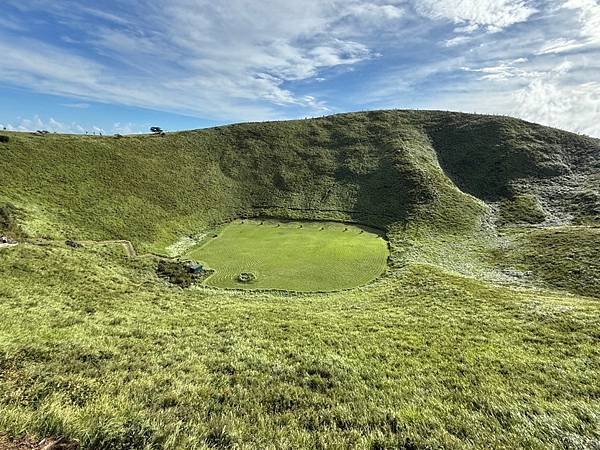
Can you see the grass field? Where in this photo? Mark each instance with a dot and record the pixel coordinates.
(297, 256)
(483, 333)
(96, 348)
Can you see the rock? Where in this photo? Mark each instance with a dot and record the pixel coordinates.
(73, 244)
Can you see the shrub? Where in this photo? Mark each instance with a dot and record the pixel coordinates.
(73, 244)
(4, 138)
(8, 222)
(246, 277)
(177, 272)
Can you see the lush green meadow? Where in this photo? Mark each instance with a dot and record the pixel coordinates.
(296, 256)
(97, 348)
(482, 332)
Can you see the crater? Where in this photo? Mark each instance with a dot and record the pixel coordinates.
(295, 256)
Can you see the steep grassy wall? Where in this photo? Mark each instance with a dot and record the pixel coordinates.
(378, 168)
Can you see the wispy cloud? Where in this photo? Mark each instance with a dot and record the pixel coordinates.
(78, 105)
(10, 22)
(199, 57)
(129, 128)
(52, 125)
(37, 123)
(242, 60)
(471, 15)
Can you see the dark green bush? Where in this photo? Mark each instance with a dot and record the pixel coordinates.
(4, 138)
(176, 272)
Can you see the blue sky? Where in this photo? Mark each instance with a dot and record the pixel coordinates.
(123, 66)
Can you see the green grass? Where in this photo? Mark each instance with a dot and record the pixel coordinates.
(522, 209)
(97, 348)
(476, 337)
(9, 225)
(563, 257)
(379, 168)
(297, 256)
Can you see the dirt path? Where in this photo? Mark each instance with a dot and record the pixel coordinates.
(28, 443)
(127, 245)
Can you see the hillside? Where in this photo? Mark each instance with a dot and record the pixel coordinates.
(482, 332)
(376, 168)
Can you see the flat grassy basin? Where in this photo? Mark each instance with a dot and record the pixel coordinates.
(298, 256)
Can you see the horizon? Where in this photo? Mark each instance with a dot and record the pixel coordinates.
(75, 68)
(209, 127)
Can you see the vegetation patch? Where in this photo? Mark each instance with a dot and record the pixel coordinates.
(94, 348)
(181, 273)
(565, 258)
(446, 351)
(524, 208)
(378, 168)
(9, 226)
(246, 277)
(298, 256)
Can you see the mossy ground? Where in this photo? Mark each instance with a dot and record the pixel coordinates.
(9, 225)
(521, 209)
(565, 258)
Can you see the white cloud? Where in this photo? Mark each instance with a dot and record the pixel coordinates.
(129, 128)
(116, 19)
(504, 70)
(561, 105)
(547, 92)
(375, 13)
(467, 28)
(245, 60)
(561, 45)
(589, 16)
(54, 126)
(199, 57)
(471, 15)
(587, 28)
(37, 123)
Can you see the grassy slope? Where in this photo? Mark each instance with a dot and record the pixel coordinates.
(566, 258)
(94, 346)
(150, 189)
(378, 167)
(98, 349)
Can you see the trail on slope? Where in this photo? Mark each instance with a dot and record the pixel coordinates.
(127, 246)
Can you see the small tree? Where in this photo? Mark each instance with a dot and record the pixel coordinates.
(156, 130)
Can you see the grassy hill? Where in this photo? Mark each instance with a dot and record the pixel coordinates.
(483, 333)
(379, 168)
